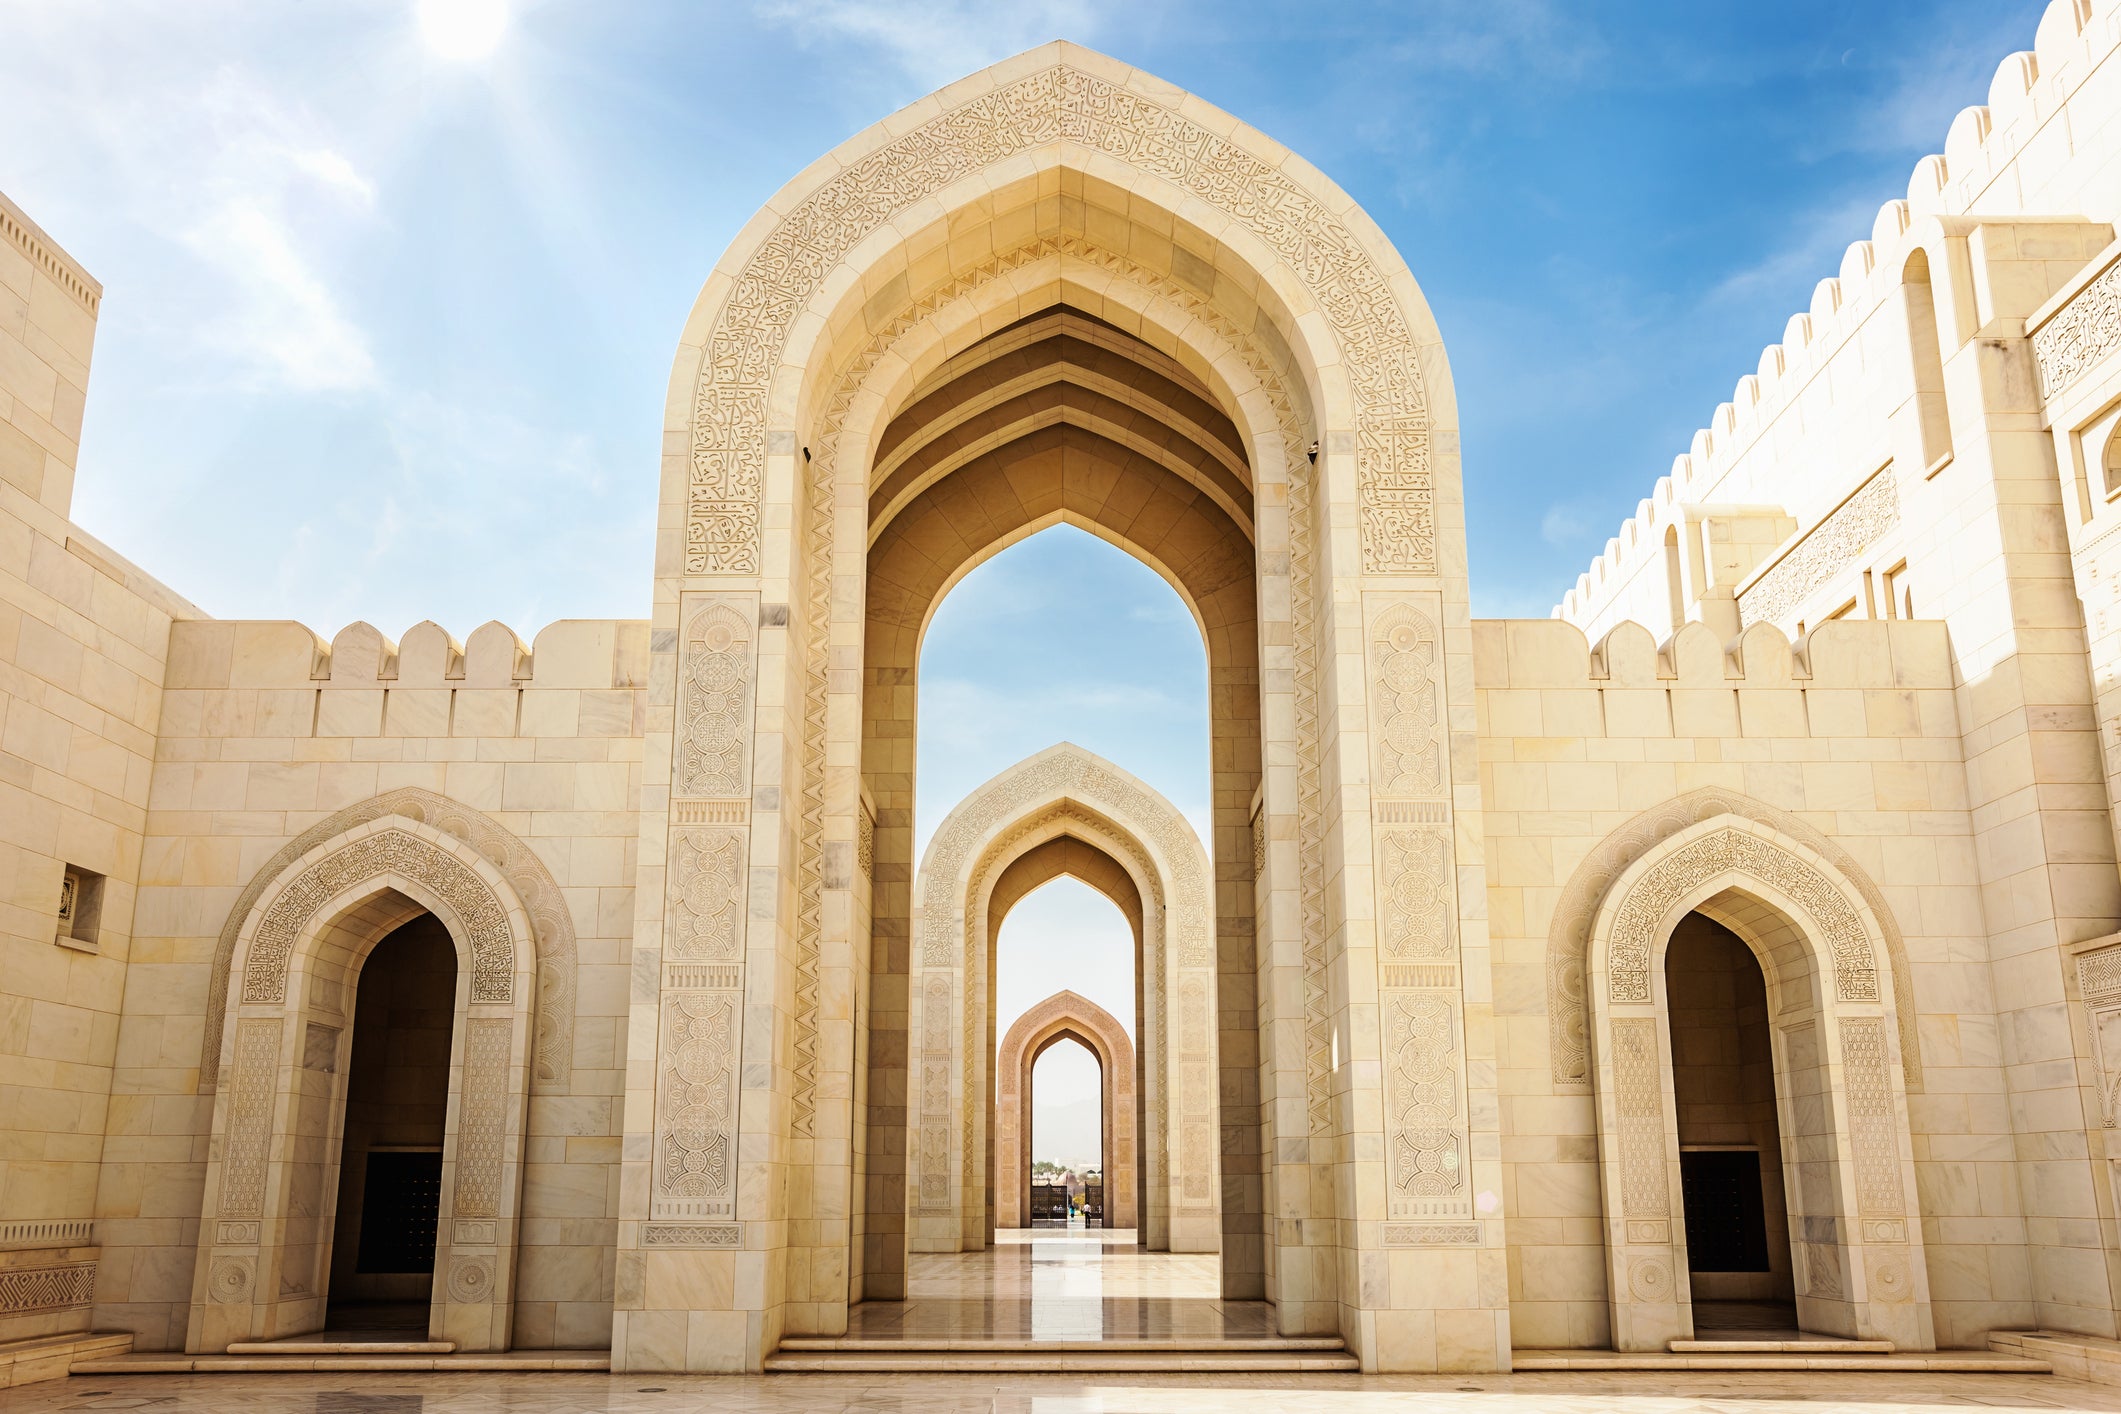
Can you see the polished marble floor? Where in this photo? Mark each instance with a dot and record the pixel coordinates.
(1079, 1284)
(1561, 1393)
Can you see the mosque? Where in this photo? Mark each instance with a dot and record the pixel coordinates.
(1729, 961)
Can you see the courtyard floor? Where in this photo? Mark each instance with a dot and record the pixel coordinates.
(1053, 1394)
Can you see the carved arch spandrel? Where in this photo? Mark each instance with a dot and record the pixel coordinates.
(552, 925)
(1568, 936)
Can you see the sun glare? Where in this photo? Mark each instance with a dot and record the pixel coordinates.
(462, 30)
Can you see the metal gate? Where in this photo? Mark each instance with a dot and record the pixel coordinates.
(1049, 1202)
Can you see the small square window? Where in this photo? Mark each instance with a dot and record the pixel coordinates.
(80, 908)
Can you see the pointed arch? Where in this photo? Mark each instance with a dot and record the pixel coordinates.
(1062, 790)
(1848, 1155)
(1569, 933)
(264, 1247)
(551, 924)
(1064, 1015)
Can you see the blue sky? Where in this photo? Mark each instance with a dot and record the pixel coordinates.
(386, 333)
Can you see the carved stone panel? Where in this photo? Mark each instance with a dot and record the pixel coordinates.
(2099, 988)
(705, 922)
(1406, 661)
(1873, 1129)
(935, 1093)
(695, 1131)
(1425, 1126)
(1416, 902)
(482, 1125)
(1638, 1080)
(717, 669)
(250, 1115)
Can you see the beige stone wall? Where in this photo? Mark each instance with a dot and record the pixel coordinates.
(267, 732)
(1858, 742)
(83, 637)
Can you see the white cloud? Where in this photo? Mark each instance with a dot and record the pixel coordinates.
(936, 41)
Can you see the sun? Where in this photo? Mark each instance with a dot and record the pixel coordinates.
(462, 30)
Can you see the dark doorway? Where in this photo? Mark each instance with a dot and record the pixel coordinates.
(390, 1159)
(1730, 1145)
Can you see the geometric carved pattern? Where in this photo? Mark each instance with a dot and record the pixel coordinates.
(1060, 104)
(2099, 989)
(695, 1146)
(551, 923)
(1825, 550)
(1568, 937)
(1432, 1234)
(1425, 1134)
(1645, 1188)
(714, 717)
(47, 1288)
(1865, 1076)
(257, 1065)
(2080, 334)
(706, 896)
(1632, 944)
(483, 1118)
(1417, 894)
(1403, 662)
(388, 851)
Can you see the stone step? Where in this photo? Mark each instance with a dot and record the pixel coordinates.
(1924, 1362)
(1809, 1345)
(304, 1346)
(1107, 1361)
(807, 1344)
(171, 1363)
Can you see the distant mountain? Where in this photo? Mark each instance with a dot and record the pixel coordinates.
(1067, 1134)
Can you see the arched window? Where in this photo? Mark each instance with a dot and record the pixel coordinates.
(2110, 461)
(1926, 352)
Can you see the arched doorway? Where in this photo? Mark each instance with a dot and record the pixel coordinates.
(395, 1127)
(1857, 1266)
(1731, 1154)
(1064, 1017)
(265, 1253)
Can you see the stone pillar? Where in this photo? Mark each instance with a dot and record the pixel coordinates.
(1419, 1190)
(1992, 512)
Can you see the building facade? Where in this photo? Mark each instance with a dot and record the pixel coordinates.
(1774, 874)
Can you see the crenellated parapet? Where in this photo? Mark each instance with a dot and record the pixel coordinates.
(284, 654)
(2027, 157)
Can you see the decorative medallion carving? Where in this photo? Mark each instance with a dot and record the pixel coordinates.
(715, 673)
(1393, 474)
(228, 1282)
(371, 856)
(1650, 1280)
(706, 896)
(482, 1124)
(695, 1142)
(471, 1280)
